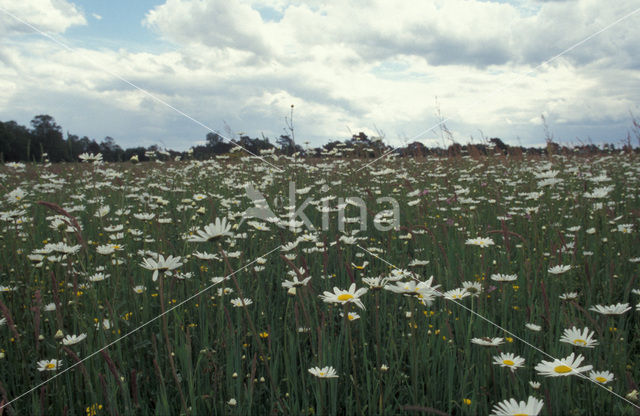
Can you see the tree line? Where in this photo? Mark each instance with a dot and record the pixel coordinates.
(44, 141)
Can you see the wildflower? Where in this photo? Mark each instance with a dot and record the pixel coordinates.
(73, 339)
(580, 338)
(352, 316)
(212, 231)
(569, 296)
(508, 360)
(488, 342)
(456, 294)
(533, 327)
(503, 277)
(559, 269)
(90, 157)
(97, 277)
(345, 296)
(205, 256)
(106, 324)
(531, 407)
(239, 303)
(617, 309)
(139, 289)
(625, 228)
(161, 265)
(232, 402)
(564, 367)
(599, 193)
(49, 365)
(422, 290)
(295, 282)
(534, 384)
(602, 377)
(325, 372)
(473, 288)
(102, 211)
(480, 241)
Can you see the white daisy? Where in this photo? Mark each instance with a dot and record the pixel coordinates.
(511, 407)
(564, 367)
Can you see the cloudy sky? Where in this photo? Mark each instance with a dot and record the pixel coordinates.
(378, 66)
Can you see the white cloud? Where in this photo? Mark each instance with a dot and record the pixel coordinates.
(345, 67)
(47, 15)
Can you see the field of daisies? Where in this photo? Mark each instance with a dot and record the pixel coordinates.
(425, 286)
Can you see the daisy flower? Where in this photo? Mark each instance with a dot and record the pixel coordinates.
(345, 296)
(73, 339)
(617, 309)
(239, 303)
(205, 256)
(375, 283)
(533, 327)
(352, 316)
(211, 232)
(49, 365)
(488, 342)
(161, 264)
(97, 277)
(474, 288)
(455, 294)
(579, 338)
(498, 277)
(564, 367)
(295, 282)
(569, 296)
(509, 360)
(602, 377)
(139, 289)
(325, 372)
(422, 290)
(511, 407)
(559, 269)
(480, 241)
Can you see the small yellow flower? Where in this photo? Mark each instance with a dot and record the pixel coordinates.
(264, 334)
(467, 402)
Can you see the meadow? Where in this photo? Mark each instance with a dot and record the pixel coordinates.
(141, 288)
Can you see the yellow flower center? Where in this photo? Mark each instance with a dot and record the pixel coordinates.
(562, 369)
(601, 379)
(520, 414)
(579, 341)
(322, 373)
(508, 362)
(50, 366)
(345, 297)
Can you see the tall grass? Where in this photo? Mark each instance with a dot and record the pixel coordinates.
(207, 356)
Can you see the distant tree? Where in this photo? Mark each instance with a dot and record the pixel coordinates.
(48, 139)
(216, 145)
(287, 145)
(15, 142)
